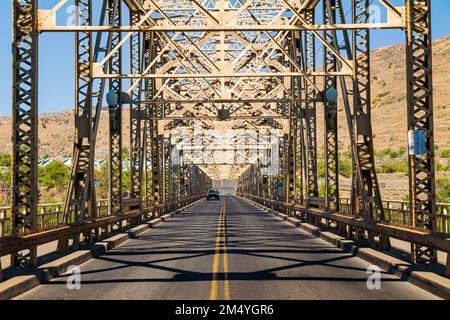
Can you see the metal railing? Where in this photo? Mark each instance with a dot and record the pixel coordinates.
(102, 225)
(397, 211)
(49, 215)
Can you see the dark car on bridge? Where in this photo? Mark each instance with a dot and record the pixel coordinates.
(212, 194)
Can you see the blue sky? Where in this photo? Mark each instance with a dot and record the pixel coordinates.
(56, 56)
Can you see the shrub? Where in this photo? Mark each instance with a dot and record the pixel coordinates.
(345, 168)
(5, 178)
(5, 160)
(54, 175)
(321, 168)
(101, 179)
(394, 167)
(443, 190)
(322, 189)
(445, 153)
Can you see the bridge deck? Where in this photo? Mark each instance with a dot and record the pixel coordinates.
(240, 254)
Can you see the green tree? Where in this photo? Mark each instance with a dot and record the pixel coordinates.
(443, 190)
(5, 160)
(345, 168)
(101, 180)
(445, 153)
(5, 171)
(5, 178)
(54, 175)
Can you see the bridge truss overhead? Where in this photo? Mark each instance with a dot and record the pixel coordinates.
(224, 89)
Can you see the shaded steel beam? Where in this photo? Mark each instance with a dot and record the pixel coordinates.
(24, 126)
(420, 117)
(115, 116)
(200, 28)
(330, 113)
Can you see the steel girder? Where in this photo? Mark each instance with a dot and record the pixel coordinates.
(292, 193)
(167, 169)
(136, 136)
(25, 128)
(330, 113)
(297, 125)
(80, 201)
(420, 117)
(150, 90)
(115, 114)
(298, 143)
(366, 195)
(308, 110)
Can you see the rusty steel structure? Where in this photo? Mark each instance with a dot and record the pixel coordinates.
(198, 71)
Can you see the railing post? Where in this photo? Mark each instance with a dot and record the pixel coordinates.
(389, 207)
(445, 219)
(42, 217)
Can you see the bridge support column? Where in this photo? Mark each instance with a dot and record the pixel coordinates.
(309, 110)
(420, 118)
(115, 115)
(136, 116)
(330, 113)
(25, 126)
(366, 196)
(150, 91)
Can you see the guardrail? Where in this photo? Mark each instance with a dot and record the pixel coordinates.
(49, 215)
(15, 243)
(397, 211)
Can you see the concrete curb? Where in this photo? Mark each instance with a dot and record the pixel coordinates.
(20, 284)
(426, 280)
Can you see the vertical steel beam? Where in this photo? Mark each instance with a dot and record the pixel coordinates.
(115, 115)
(156, 158)
(80, 186)
(136, 150)
(296, 123)
(80, 199)
(148, 56)
(24, 125)
(293, 124)
(166, 169)
(309, 109)
(420, 117)
(330, 113)
(365, 182)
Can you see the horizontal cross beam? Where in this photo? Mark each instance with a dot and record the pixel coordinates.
(219, 28)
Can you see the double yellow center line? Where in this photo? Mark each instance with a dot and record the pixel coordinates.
(220, 251)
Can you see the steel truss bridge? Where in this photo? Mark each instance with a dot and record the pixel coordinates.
(256, 70)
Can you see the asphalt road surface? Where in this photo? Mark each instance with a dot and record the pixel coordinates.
(226, 250)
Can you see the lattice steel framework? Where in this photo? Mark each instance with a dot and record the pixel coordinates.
(227, 65)
(330, 113)
(80, 187)
(115, 114)
(136, 146)
(420, 117)
(309, 108)
(25, 134)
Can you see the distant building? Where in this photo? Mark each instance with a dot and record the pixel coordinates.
(68, 162)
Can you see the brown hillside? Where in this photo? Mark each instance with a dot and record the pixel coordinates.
(389, 98)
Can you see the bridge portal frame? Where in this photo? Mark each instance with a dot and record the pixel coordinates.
(26, 28)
